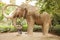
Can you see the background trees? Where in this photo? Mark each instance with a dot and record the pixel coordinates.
(52, 7)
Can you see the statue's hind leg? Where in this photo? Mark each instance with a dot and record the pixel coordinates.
(45, 28)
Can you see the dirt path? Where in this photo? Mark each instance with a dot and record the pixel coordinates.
(35, 36)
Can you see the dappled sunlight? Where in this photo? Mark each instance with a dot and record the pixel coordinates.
(19, 2)
(5, 1)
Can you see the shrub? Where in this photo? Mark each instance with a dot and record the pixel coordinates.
(6, 28)
(56, 30)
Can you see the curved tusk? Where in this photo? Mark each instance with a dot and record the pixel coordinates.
(11, 14)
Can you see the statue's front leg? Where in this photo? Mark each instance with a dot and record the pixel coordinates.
(30, 23)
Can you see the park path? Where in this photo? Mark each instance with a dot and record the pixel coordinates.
(35, 36)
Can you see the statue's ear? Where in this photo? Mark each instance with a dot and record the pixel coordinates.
(25, 12)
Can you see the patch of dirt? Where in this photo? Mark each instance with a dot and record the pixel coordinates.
(35, 36)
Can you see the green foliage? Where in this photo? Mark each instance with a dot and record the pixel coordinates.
(37, 28)
(52, 7)
(23, 22)
(6, 28)
(48, 5)
(56, 19)
(1, 6)
(12, 28)
(10, 9)
(56, 30)
(57, 27)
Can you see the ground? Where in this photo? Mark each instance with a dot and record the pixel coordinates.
(35, 36)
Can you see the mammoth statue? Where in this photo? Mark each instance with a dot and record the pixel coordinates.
(31, 14)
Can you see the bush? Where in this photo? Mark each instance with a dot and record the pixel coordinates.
(6, 28)
(3, 28)
(56, 19)
(56, 30)
(12, 28)
(37, 28)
